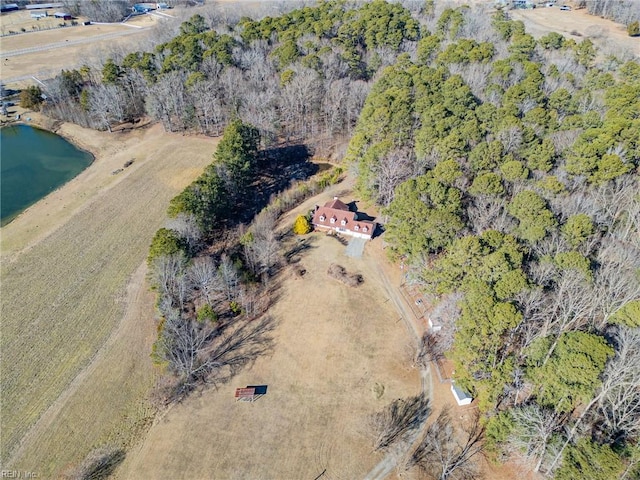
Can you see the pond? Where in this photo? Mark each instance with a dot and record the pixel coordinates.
(33, 163)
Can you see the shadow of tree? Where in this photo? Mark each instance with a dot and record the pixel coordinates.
(399, 420)
(99, 464)
(222, 354)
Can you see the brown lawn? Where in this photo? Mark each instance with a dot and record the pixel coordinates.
(335, 347)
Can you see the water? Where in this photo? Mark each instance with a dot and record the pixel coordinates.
(33, 163)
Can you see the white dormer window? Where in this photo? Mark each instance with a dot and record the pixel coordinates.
(322, 218)
(356, 228)
(365, 229)
(343, 222)
(333, 220)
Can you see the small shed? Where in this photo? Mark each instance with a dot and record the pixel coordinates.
(434, 326)
(63, 15)
(462, 397)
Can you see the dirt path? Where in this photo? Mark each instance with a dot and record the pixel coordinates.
(386, 466)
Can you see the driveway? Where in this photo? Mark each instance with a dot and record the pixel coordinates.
(356, 247)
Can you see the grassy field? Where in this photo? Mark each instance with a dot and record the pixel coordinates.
(340, 354)
(610, 37)
(44, 53)
(21, 21)
(65, 268)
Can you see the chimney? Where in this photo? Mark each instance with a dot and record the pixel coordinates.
(335, 198)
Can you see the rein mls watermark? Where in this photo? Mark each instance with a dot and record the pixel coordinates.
(17, 474)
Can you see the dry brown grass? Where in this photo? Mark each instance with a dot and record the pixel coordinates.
(75, 46)
(65, 267)
(21, 19)
(334, 349)
(604, 33)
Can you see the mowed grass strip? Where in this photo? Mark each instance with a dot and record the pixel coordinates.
(109, 404)
(60, 299)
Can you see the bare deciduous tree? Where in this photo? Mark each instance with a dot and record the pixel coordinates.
(399, 421)
(534, 429)
(198, 352)
(262, 249)
(188, 229)
(391, 170)
(431, 349)
(619, 404)
(616, 281)
(205, 279)
(229, 275)
(166, 273)
(444, 453)
(489, 213)
(511, 138)
(107, 104)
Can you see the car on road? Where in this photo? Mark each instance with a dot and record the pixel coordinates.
(565, 7)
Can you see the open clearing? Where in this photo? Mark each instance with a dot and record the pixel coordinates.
(66, 263)
(336, 346)
(44, 53)
(610, 36)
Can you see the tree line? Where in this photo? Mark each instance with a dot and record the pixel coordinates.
(301, 75)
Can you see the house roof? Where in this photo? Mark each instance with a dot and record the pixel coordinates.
(336, 204)
(460, 394)
(337, 215)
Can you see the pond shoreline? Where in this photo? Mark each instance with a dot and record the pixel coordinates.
(83, 159)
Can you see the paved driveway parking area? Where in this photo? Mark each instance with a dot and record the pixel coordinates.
(356, 247)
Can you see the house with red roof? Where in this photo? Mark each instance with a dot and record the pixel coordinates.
(337, 216)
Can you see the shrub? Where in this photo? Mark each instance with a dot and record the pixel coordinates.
(235, 308)
(340, 273)
(207, 314)
(634, 29)
(301, 225)
(99, 464)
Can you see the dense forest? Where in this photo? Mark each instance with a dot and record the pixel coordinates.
(508, 169)
(302, 75)
(507, 172)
